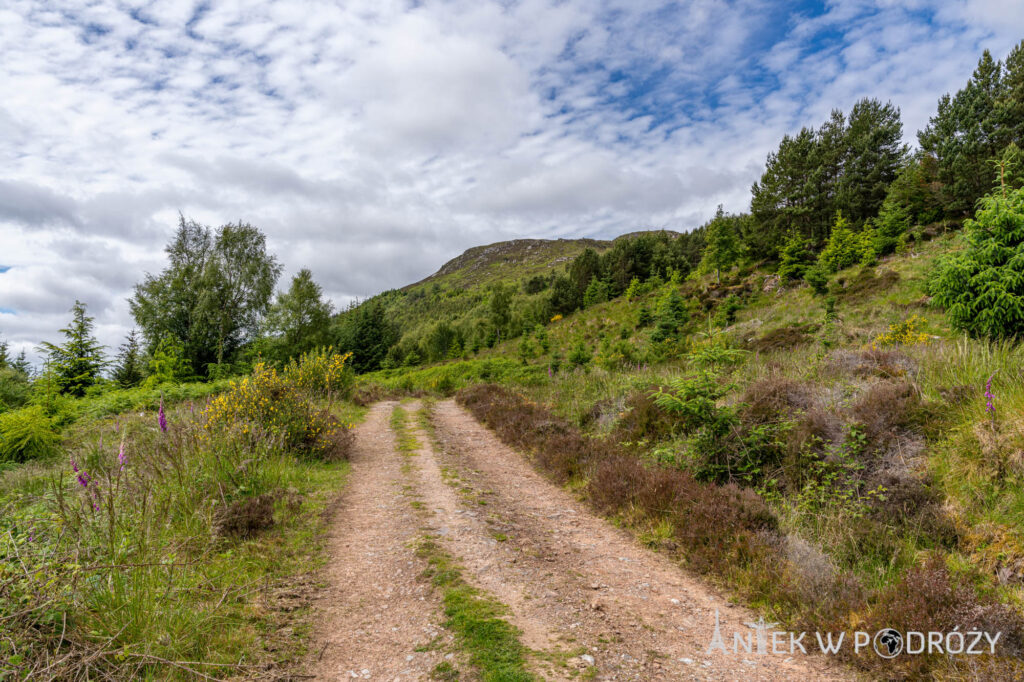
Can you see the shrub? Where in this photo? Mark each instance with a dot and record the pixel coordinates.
(579, 355)
(783, 338)
(14, 389)
(817, 277)
(886, 410)
(266, 401)
(868, 283)
(773, 398)
(982, 289)
(719, 528)
(322, 372)
(845, 247)
(643, 422)
(26, 434)
(928, 598)
(795, 257)
(905, 333)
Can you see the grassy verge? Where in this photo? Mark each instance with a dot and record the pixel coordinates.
(447, 378)
(174, 550)
(488, 641)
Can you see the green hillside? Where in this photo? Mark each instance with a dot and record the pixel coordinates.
(487, 294)
(857, 416)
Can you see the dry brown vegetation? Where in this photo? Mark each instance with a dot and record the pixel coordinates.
(782, 338)
(728, 533)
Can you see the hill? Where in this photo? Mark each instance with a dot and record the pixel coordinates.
(519, 259)
(495, 292)
(509, 260)
(856, 424)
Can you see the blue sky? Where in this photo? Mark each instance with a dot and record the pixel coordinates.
(373, 139)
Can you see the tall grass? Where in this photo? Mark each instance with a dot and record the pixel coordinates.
(149, 551)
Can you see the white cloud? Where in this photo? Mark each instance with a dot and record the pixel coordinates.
(374, 139)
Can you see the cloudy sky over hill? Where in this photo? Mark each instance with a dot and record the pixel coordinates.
(373, 140)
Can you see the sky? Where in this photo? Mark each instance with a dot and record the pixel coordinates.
(373, 140)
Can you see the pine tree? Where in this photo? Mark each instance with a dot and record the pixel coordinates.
(845, 247)
(785, 197)
(78, 362)
(829, 159)
(21, 364)
(167, 364)
(128, 368)
(367, 332)
(965, 134)
(580, 355)
(917, 190)
(671, 319)
(982, 288)
(874, 155)
(794, 258)
(1011, 104)
(893, 222)
(5, 360)
(585, 267)
(597, 292)
(643, 317)
(722, 249)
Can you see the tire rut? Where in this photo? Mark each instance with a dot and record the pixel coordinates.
(460, 525)
(376, 610)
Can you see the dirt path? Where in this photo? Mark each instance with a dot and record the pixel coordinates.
(376, 610)
(587, 598)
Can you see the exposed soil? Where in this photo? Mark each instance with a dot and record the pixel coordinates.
(587, 597)
(375, 610)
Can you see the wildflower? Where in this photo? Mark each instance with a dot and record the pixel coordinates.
(121, 457)
(83, 479)
(989, 396)
(74, 465)
(161, 417)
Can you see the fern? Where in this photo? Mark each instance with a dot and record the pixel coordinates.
(26, 434)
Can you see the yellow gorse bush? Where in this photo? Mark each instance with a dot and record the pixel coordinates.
(321, 372)
(905, 333)
(269, 401)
